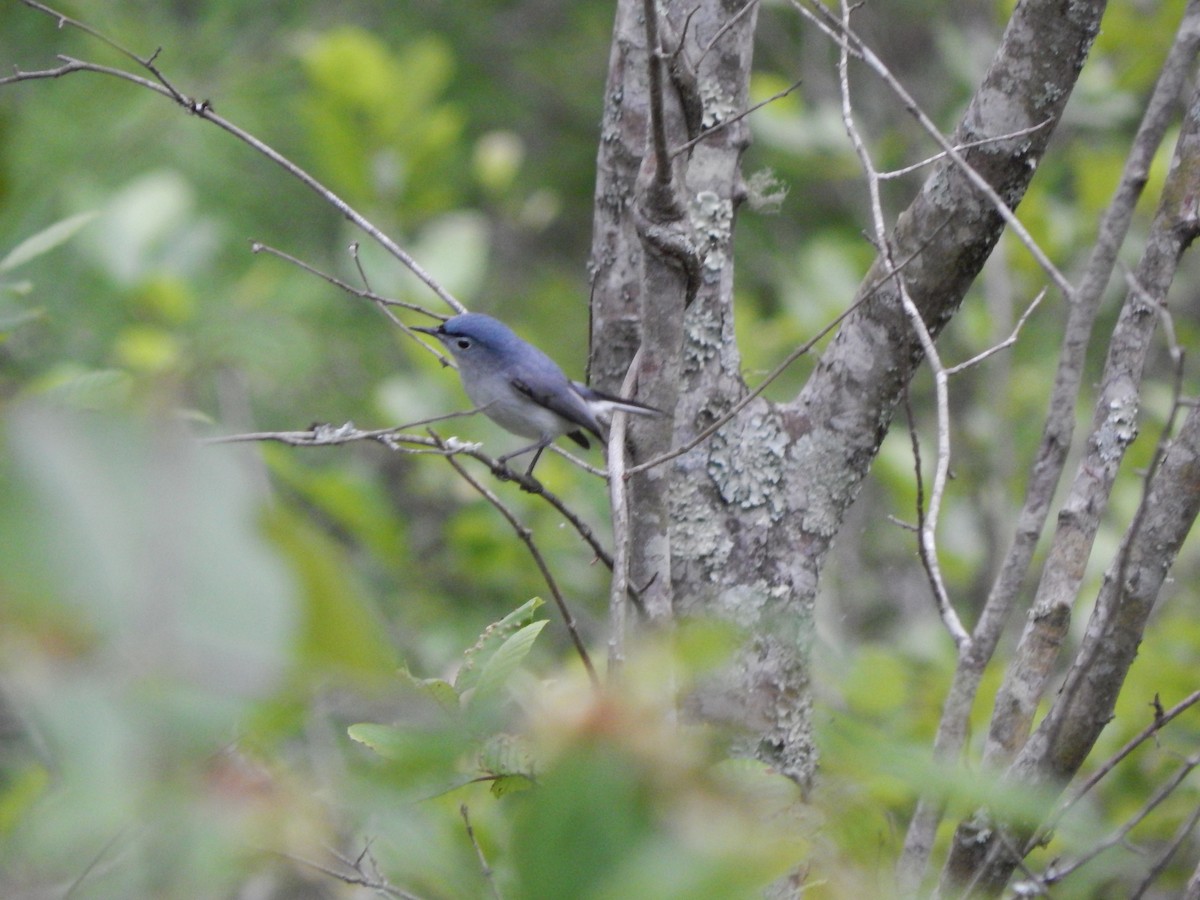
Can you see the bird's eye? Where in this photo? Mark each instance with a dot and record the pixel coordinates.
(463, 343)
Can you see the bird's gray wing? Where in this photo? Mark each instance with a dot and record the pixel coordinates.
(560, 397)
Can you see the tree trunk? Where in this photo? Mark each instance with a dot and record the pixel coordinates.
(740, 526)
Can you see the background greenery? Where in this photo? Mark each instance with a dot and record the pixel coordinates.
(186, 632)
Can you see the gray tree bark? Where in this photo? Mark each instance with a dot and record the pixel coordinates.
(739, 526)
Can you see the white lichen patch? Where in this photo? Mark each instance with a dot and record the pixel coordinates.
(748, 464)
(718, 105)
(1118, 430)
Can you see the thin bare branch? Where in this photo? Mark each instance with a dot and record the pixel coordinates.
(982, 142)
(67, 68)
(658, 128)
(1161, 720)
(924, 551)
(203, 109)
(1007, 342)
(394, 438)
(325, 435)
(358, 876)
(381, 303)
(365, 294)
(488, 875)
(928, 522)
(725, 123)
(1182, 834)
(526, 536)
(148, 62)
(92, 864)
(839, 31)
(733, 20)
(1061, 870)
(620, 589)
(1192, 889)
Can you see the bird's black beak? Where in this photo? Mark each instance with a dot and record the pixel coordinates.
(438, 333)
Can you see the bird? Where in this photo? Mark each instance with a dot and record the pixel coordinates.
(522, 389)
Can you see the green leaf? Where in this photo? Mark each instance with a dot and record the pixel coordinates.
(386, 740)
(497, 670)
(493, 636)
(45, 240)
(523, 614)
(441, 692)
(506, 754)
(425, 761)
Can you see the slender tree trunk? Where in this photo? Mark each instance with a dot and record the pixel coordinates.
(712, 532)
(982, 852)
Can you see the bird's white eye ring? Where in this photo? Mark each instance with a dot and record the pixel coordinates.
(463, 343)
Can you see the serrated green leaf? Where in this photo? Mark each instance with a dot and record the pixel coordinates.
(497, 670)
(45, 240)
(493, 636)
(506, 754)
(522, 615)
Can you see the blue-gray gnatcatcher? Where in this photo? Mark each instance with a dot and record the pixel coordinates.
(523, 390)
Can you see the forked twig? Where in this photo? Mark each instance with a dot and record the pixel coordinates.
(927, 520)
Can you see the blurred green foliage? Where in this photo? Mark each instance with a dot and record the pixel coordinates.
(187, 633)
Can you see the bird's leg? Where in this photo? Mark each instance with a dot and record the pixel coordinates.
(536, 457)
(539, 446)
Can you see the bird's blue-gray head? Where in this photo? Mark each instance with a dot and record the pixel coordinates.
(463, 333)
(486, 350)
(482, 346)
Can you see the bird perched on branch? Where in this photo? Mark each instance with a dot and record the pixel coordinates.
(522, 389)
